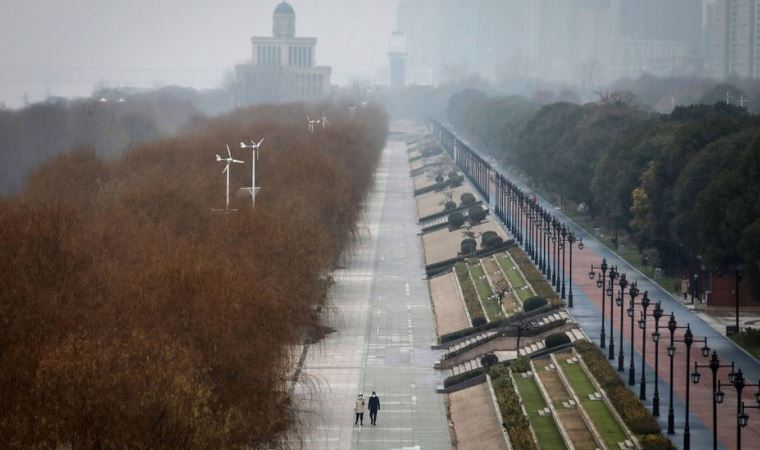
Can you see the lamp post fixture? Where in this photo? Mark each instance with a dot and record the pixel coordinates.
(633, 293)
(736, 378)
(601, 282)
(736, 297)
(547, 269)
(528, 230)
(643, 325)
(563, 234)
(555, 241)
(620, 301)
(613, 275)
(657, 314)
(688, 339)
(743, 419)
(571, 239)
(714, 366)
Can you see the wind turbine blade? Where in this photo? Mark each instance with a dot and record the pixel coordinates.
(242, 145)
(218, 158)
(226, 168)
(228, 152)
(237, 161)
(262, 140)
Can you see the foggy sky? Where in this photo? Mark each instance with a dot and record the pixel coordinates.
(203, 36)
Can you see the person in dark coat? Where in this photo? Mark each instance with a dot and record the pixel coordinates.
(374, 406)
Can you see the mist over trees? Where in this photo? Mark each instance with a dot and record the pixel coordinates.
(134, 315)
(109, 122)
(685, 185)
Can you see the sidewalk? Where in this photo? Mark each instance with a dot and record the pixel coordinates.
(384, 329)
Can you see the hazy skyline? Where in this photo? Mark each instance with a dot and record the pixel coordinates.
(188, 39)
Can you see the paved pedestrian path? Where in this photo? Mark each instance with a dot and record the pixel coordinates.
(384, 328)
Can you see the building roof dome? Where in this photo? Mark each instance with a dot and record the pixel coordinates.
(284, 8)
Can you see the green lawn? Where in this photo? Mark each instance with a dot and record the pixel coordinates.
(468, 290)
(484, 291)
(514, 276)
(749, 340)
(605, 422)
(549, 437)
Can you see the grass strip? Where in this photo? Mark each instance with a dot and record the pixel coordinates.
(605, 422)
(514, 276)
(546, 430)
(484, 290)
(469, 293)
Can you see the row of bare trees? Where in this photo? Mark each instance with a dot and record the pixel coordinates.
(132, 315)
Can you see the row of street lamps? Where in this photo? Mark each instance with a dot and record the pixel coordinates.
(545, 239)
(604, 274)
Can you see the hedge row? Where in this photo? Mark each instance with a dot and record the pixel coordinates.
(633, 412)
(515, 422)
(532, 275)
(470, 295)
(494, 324)
(464, 376)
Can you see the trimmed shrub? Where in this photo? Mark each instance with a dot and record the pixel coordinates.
(456, 219)
(485, 236)
(455, 179)
(556, 339)
(476, 214)
(468, 246)
(521, 364)
(450, 204)
(492, 241)
(534, 303)
(656, 442)
(479, 321)
(488, 360)
(464, 376)
(439, 178)
(467, 199)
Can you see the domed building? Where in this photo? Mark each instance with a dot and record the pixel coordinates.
(283, 66)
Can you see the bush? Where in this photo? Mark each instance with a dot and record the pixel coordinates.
(520, 365)
(464, 376)
(449, 205)
(456, 219)
(467, 199)
(655, 442)
(455, 179)
(488, 360)
(479, 321)
(556, 339)
(534, 303)
(493, 241)
(439, 178)
(468, 246)
(485, 236)
(476, 214)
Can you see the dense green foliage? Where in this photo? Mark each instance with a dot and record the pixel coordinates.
(684, 185)
(456, 219)
(468, 246)
(556, 339)
(470, 295)
(534, 303)
(515, 422)
(467, 199)
(476, 214)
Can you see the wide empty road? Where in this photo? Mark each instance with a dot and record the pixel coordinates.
(384, 328)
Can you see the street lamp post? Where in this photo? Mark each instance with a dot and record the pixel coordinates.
(643, 325)
(611, 291)
(571, 239)
(689, 339)
(633, 292)
(714, 366)
(601, 282)
(743, 419)
(563, 233)
(736, 378)
(657, 314)
(620, 301)
(547, 247)
(555, 240)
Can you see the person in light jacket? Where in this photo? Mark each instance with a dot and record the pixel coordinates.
(359, 410)
(374, 406)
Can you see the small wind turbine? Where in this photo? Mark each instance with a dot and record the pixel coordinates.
(352, 110)
(311, 124)
(228, 160)
(742, 101)
(324, 120)
(254, 146)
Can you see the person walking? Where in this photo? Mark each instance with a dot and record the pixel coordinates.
(359, 410)
(374, 406)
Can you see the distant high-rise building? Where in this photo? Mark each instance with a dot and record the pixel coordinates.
(734, 31)
(283, 67)
(397, 57)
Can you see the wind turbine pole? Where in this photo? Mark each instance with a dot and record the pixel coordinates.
(227, 196)
(254, 157)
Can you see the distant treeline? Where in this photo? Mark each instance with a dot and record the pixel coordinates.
(685, 184)
(134, 315)
(109, 122)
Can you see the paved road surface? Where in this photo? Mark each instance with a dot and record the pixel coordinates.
(384, 328)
